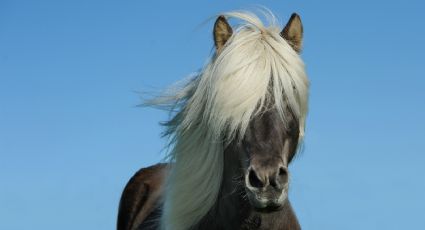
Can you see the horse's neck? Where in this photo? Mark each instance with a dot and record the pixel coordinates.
(281, 220)
(233, 211)
(230, 210)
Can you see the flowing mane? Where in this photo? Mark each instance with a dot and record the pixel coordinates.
(213, 108)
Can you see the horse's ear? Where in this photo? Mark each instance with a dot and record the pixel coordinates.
(222, 32)
(293, 32)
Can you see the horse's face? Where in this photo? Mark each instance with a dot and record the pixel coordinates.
(265, 152)
(268, 145)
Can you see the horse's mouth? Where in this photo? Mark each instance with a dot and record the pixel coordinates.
(269, 208)
(263, 203)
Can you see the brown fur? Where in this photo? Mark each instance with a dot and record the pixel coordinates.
(140, 209)
(141, 196)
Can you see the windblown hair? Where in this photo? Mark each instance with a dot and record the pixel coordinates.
(215, 107)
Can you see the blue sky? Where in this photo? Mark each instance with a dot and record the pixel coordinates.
(71, 134)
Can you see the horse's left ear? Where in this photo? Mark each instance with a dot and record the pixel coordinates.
(293, 32)
(222, 32)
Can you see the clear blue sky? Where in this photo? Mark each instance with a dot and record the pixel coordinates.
(71, 136)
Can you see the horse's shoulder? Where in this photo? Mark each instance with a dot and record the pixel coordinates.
(141, 196)
(151, 175)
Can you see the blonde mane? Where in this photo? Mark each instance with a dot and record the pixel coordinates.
(216, 106)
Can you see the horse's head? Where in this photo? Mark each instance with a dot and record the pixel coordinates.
(269, 143)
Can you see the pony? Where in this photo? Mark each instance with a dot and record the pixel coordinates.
(235, 128)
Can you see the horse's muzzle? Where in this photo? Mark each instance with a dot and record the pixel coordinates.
(267, 189)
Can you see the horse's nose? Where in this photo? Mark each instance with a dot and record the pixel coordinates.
(262, 178)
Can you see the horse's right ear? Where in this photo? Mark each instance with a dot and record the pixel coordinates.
(222, 32)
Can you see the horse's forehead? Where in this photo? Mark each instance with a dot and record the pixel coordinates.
(266, 128)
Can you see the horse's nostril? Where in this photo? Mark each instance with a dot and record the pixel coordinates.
(283, 171)
(253, 179)
(281, 179)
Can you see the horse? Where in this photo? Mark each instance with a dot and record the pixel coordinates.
(235, 128)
